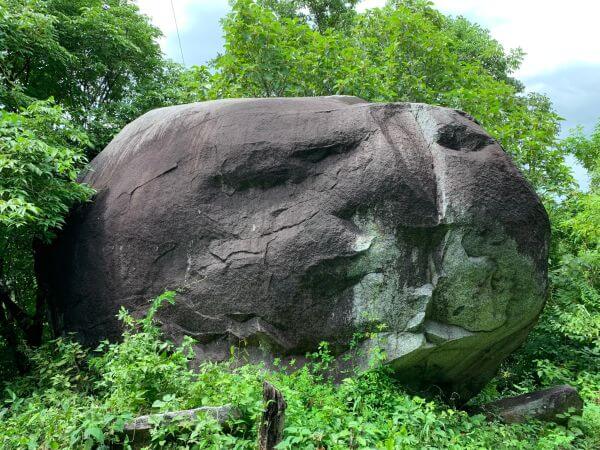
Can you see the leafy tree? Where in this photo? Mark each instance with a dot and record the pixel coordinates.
(406, 51)
(565, 346)
(41, 153)
(322, 14)
(474, 44)
(101, 62)
(587, 151)
(173, 85)
(92, 56)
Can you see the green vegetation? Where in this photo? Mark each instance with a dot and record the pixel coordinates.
(95, 62)
(406, 51)
(39, 160)
(72, 73)
(73, 398)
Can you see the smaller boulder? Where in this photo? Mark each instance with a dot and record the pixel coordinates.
(550, 405)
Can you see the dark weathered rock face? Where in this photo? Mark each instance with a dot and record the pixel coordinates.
(286, 222)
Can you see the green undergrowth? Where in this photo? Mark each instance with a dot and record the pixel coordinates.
(75, 398)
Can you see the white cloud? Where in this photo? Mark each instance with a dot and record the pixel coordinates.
(161, 13)
(553, 33)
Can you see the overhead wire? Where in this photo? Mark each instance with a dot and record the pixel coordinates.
(177, 29)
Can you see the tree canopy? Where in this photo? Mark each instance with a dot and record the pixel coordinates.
(41, 155)
(406, 51)
(92, 56)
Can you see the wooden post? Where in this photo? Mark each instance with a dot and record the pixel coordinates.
(273, 418)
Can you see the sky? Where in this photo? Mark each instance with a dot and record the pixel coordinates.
(561, 40)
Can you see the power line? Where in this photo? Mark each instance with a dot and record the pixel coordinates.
(178, 37)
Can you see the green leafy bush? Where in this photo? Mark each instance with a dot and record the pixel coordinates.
(142, 369)
(41, 153)
(74, 398)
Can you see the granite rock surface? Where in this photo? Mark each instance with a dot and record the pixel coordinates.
(287, 222)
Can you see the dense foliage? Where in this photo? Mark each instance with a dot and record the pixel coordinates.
(406, 51)
(40, 156)
(72, 73)
(78, 399)
(93, 56)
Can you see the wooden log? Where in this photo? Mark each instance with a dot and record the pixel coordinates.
(138, 429)
(553, 405)
(273, 418)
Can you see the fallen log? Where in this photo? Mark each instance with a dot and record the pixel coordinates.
(139, 429)
(553, 405)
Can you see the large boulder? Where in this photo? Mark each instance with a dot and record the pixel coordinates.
(287, 222)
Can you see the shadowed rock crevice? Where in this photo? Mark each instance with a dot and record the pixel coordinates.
(463, 138)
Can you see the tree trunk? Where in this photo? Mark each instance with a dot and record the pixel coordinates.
(273, 418)
(10, 335)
